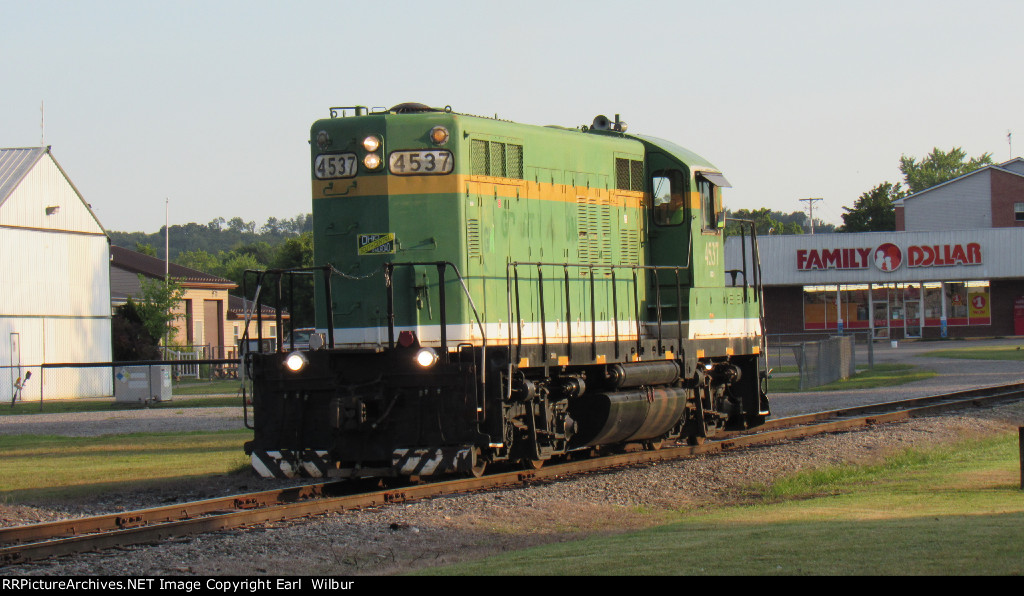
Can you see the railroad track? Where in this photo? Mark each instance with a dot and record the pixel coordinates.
(39, 541)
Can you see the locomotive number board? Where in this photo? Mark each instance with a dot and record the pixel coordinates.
(337, 165)
(427, 161)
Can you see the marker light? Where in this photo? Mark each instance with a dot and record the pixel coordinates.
(323, 140)
(426, 357)
(371, 143)
(371, 161)
(296, 361)
(439, 135)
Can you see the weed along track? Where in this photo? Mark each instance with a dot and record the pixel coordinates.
(36, 542)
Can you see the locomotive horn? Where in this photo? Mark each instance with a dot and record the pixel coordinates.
(602, 123)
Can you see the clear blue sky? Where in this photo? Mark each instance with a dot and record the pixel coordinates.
(208, 104)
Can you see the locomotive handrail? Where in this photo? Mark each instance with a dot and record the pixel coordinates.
(512, 281)
(442, 266)
(329, 270)
(258, 306)
(756, 266)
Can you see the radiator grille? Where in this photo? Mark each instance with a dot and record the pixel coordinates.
(501, 160)
(629, 174)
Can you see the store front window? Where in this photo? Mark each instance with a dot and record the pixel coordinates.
(817, 304)
(826, 306)
(931, 302)
(907, 307)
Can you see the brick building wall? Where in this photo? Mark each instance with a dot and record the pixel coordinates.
(1007, 189)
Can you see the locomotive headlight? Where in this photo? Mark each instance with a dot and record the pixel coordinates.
(371, 161)
(296, 361)
(371, 143)
(426, 357)
(439, 135)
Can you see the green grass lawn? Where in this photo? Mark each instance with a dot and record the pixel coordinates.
(950, 511)
(882, 375)
(44, 467)
(980, 353)
(203, 387)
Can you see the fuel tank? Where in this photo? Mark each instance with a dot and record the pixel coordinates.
(620, 416)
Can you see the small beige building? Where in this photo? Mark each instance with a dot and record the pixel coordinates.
(202, 312)
(209, 319)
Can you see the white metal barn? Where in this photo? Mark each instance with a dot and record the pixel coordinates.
(55, 293)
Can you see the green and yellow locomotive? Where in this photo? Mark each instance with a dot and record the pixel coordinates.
(499, 292)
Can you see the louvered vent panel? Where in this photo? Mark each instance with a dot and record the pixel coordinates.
(604, 211)
(630, 246)
(587, 229)
(481, 163)
(473, 238)
(594, 226)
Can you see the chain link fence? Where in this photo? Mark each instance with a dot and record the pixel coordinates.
(819, 360)
(140, 382)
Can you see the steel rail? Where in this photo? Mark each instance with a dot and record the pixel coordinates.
(163, 514)
(38, 541)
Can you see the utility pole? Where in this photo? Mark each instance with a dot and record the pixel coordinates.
(167, 264)
(810, 205)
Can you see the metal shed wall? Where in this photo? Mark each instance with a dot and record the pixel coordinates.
(55, 299)
(54, 274)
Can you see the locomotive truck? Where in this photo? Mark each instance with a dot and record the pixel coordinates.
(492, 292)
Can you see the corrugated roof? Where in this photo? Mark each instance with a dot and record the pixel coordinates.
(136, 262)
(14, 165)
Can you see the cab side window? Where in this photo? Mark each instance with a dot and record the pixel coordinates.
(707, 192)
(709, 186)
(668, 197)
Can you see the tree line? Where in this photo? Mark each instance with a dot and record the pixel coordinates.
(214, 237)
(227, 248)
(875, 210)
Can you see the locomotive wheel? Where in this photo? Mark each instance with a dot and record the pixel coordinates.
(532, 464)
(694, 440)
(653, 445)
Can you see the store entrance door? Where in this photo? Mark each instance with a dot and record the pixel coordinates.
(880, 318)
(913, 319)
